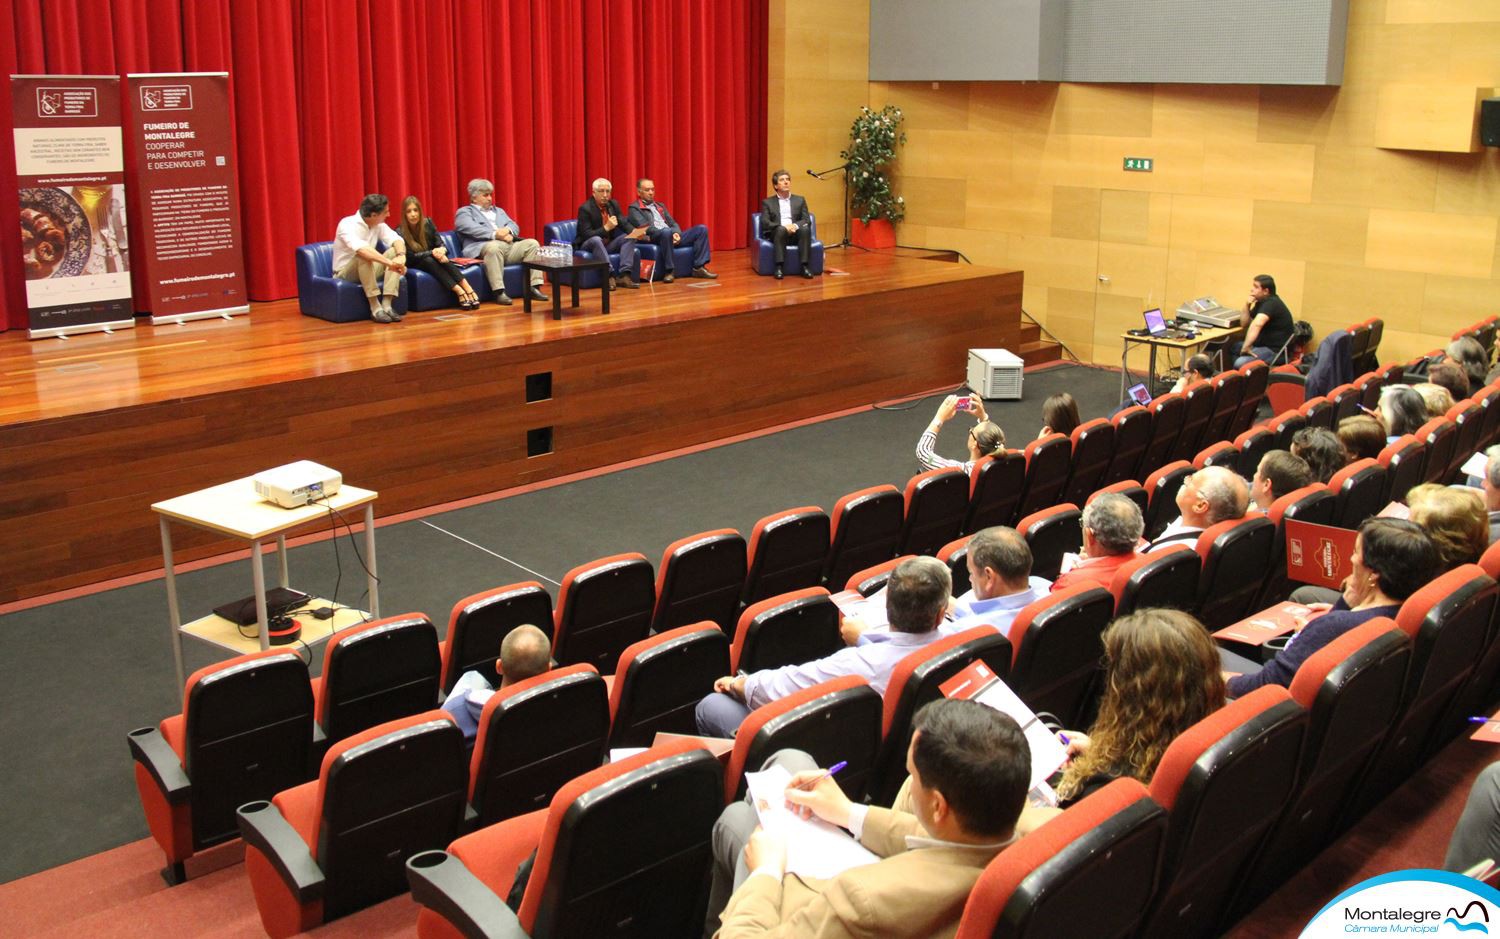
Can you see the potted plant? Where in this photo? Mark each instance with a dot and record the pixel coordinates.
(872, 147)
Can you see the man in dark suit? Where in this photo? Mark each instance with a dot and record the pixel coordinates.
(783, 217)
(663, 231)
(604, 227)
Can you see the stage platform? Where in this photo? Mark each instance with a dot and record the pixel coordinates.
(449, 405)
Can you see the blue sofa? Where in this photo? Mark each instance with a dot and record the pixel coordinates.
(321, 294)
(682, 257)
(426, 294)
(763, 253)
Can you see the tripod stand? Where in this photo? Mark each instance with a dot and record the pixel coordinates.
(846, 243)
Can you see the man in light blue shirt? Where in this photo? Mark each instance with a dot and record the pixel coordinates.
(525, 652)
(916, 601)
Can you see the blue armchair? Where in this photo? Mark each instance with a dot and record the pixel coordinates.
(426, 294)
(321, 294)
(568, 230)
(761, 257)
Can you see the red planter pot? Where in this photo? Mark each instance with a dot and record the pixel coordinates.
(877, 233)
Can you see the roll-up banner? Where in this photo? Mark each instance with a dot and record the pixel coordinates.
(190, 262)
(71, 174)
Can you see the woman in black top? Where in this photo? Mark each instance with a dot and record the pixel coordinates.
(426, 252)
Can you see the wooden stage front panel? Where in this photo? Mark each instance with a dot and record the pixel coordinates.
(99, 427)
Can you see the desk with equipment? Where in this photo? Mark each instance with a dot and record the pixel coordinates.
(235, 509)
(1186, 335)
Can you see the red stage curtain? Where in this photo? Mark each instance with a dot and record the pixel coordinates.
(333, 99)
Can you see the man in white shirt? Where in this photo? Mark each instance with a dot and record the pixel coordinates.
(783, 217)
(357, 257)
(486, 232)
(1213, 494)
(916, 602)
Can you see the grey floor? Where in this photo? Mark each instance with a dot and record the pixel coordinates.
(76, 675)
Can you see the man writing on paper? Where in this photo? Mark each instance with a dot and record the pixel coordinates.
(969, 765)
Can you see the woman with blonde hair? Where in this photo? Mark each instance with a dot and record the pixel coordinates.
(426, 252)
(985, 437)
(1162, 676)
(1436, 398)
(1454, 518)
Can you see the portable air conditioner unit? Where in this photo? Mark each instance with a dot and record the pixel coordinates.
(995, 373)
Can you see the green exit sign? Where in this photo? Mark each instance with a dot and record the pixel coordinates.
(1139, 164)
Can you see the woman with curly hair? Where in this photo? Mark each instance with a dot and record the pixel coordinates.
(1454, 518)
(1162, 676)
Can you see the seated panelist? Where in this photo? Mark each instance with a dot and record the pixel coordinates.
(663, 231)
(604, 227)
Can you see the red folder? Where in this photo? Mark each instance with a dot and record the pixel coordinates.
(1318, 554)
(1267, 624)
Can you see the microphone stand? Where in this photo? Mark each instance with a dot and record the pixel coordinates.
(847, 227)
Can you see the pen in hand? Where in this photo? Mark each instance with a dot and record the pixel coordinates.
(808, 785)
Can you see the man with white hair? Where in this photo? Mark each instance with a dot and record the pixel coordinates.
(604, 227)
(1112, 527)
(1213, 494)
(484, 231)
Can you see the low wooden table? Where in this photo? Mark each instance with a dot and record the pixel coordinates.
(234, 509)
(553, 269)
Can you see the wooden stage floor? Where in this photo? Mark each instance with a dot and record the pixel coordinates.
(96, 428)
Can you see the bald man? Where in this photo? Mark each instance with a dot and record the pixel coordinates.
(1213, 494)
(526, 652)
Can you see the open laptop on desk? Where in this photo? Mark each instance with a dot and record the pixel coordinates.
(1157, 326)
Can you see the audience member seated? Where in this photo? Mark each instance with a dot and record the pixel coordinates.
(1363, 437)
(1001, 586)
(1451, 376)
(1279, 473)
(1161, 676)
(1402, 411)
(1392, 559)
(1454, 517)
(1319, 447)
(985, 437)
(1435, 398)
(1469, 355)
(1112, 527)
(1271, 325)
(1476, 837)
(1197, 368)
(426, 252)
(1059, 415)
(1491, 488)
(970, 767)
(1213, 494)
(916, 600)
(525, 652)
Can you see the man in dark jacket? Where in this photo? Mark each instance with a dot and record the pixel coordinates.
(604, 227)
(783, 217)
(663, 231)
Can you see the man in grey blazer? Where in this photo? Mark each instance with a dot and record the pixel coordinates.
(484, 231)
(784, 216)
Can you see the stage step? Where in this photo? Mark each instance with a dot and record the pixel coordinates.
(1039, 352)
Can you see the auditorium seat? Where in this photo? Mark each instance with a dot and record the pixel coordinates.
(1392, 374)
(936, 502)
(1360, 489)
(1441, 437)
(1345, 400)
(1161, 488)
(1313, 503)
(955, 554)
(326, 297)
(1488, 398)
(914, 682)
(375, 673)
(1093, 449)
(763, 252)
(700, 578)
(1198, 410)
(787, 552)
(244, 733)
(1223, 782)
(1257, 376)
(833, 721)
(1286, 388)
(427, 294)
(1253, 445)
(661, 680)
(1047, 461)
(1051, 533)
(602, 607)
(1377, 333)
(995, 485)
(1351, 689)
(1166, 578)
(1359, 343)
(1132, 435)
(1468, 417)
(866, 527)
(326, 848)
(1223, 453)
(620, 851)
(1167, 414)
(1229, 393)
(1236, 557)
(481, 621)
(1058, 650)
(534, 736)
(1284, 427)
(1368, 385)
(791, 629)
(1091, 871)
(1318, 412)
(874, 577)
(1128, 488)
(1405, 462)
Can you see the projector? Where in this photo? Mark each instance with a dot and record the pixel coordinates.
(297, 483)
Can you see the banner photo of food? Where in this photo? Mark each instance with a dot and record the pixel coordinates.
(75, 243)
(189, 260)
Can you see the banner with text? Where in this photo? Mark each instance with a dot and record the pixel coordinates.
(71, 174)
(191, 263)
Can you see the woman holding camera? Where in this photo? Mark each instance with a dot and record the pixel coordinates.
(984, 439)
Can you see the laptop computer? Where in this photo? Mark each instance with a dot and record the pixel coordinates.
(1157, 326)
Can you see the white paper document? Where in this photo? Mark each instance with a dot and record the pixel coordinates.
(815, 848)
